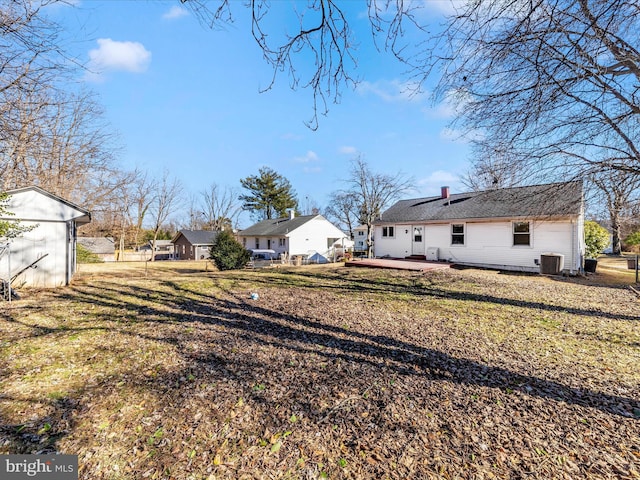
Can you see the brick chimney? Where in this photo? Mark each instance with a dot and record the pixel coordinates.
(444, 192)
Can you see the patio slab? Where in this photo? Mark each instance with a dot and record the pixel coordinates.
(398, 264)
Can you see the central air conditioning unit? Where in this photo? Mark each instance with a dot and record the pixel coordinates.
(551, 263)
(432, 254)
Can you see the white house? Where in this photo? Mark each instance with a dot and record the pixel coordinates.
(311, 236)
(46, 255)
(509, 228)
(360, 239)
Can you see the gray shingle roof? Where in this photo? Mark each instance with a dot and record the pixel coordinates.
(99, 245)
(197, 237)
(551, 200)
(276, 227)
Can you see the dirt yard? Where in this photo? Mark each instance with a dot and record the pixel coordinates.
(172, 371)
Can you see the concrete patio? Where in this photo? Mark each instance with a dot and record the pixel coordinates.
(398, 264)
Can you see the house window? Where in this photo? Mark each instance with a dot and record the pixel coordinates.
(388, 232)
(281, 242)
(521, 233)
(257, 243)
(244, 242)
(457, 234)
(360, 233)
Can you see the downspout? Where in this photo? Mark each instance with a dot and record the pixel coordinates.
(574, 254)
(69, 250)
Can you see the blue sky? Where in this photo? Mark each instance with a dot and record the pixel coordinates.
(187, 98)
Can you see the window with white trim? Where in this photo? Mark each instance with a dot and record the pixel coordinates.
(522, 233)
(388, 232)
(457, 234)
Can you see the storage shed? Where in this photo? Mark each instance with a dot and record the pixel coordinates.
(45, 256)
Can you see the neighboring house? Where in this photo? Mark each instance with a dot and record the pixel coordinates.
(103, 247)
(507, 228)
(360, 240)
(193, 244)
(310, 236)
(46, 255)
(164, 249)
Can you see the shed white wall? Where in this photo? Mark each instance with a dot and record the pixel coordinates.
(490, 244)
(47, 238)
(33, 205)
(54, 235)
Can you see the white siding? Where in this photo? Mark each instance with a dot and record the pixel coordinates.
(33, 205)
(48, 238)
(312, 238)
(53, 236)
(490, 244)
(398, 246)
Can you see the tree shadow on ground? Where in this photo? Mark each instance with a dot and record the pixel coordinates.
(301, 335)
(38, 434)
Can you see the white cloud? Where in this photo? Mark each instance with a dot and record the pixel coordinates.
(393, 91)
(431, 184)
(175, 12)
(112, 55)
(443, 7)
(347, 150)
(310, 156)
(453, 103)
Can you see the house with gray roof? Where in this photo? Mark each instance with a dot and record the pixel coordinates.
(507, 228)
(102, 247)
(311, 237)
(193, 244)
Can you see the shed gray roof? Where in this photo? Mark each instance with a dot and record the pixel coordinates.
(536, 201)
(197, 237)
(276, 227)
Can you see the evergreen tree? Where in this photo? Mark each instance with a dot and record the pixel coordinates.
(227, 253)
(270, 194)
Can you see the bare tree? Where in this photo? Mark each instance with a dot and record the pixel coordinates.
(30, 53)
(556, 80)
(372, 193)
(167, 197)
(60, 143)
(143, 196)
(344, 209)
(618, 190)
(220, 207)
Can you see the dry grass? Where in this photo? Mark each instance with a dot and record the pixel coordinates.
(171, 370)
